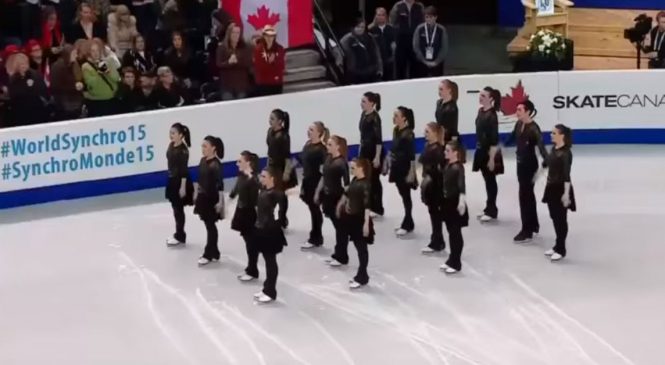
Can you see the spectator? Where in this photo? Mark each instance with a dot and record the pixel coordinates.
(102, 8)
(405, 16)
(220, 21)
(28, 95)
(363, 59)
(86, 26)
(385, 36)
(138, 57)
(430, 44)
(147, 97)
(36, 57)
(170, 93)
(128, 91)
(121, 30)
(656, 40)
(101, 80)
(234, 60)
(67, 85)
(179, 59)
(51, 37)
(269, 63)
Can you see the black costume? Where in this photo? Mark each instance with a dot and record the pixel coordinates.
(279, 150)
(177, 158)
(244, 218)
(210, 184)
(454, 185)
(351, 224)
(487, 134)
(312, 159)
(431, 191)
(268, 237)
(447, 116)
(527, 137)
(560, 162)
(402, 155)
(370, 137)
(335, 180)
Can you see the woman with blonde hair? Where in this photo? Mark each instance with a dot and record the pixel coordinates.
(101, 79)
(28, 95)
(121, 30)
(312, 158)
(86, 25)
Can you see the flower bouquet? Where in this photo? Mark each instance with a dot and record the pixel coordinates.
(546, 44)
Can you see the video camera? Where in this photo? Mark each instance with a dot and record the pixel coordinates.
(642, 27)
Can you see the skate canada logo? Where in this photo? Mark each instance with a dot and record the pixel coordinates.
(510, 102)
(609, 101)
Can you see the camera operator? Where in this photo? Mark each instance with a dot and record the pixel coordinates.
(656, 48)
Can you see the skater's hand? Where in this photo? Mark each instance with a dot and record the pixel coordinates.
(286, 175)
(565, 200)
(366, 228)
(411, 177)
(377, 162)
(182, 192)
(490, 165)
(317, 198)
(461, 205)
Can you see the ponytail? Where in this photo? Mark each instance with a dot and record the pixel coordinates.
(284, 117)
(342, 145)
(375, 99)
(182, 129)
(529, 108)
(218, 144)
(437, 129)
(409, 116)
(324, 132)
(277, 177)
(253, 160)
(495, 95)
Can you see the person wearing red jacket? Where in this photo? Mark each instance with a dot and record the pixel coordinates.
(269, 63)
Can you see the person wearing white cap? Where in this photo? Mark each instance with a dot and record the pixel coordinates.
(269, 63)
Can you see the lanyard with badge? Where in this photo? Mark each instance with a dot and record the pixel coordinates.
(660, 36)
(429, 50)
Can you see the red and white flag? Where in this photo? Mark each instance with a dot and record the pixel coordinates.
(292, 19)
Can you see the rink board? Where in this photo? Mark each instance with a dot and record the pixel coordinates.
(82, 158)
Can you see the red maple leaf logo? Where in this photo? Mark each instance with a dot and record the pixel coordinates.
(509, 102)
(263, 17)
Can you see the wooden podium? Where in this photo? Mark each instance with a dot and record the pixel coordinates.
(557, 22)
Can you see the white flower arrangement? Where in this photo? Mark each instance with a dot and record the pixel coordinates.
(547, 44)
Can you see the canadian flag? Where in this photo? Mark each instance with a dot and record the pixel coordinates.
(292, 19)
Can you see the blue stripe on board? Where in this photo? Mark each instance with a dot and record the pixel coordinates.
(157, 179)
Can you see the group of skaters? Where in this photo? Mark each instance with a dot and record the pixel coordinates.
(351, 194)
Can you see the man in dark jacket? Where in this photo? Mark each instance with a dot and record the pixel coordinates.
(430, 44)
(385, 36)
(362, 56)
(405, 16)
(657, 47)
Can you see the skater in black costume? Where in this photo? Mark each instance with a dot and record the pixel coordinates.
(371, 145)
(209, 200)
(402, 164)
(312, 158)
(331, 189)
(179, 187)
(527, 137)
(268, 234)
(454, 209)
(431, 189)
(447, 114)
(246, 191)
(356, 222)
(559, 194)
(279, 156)
(487, 158)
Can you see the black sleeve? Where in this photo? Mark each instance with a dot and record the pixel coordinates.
(182, 162)
(376, 125)
(366, 195)
(236, 189)
(216, 175)
(345, 173)
(538, 141)
(567, 164)
(284, 146)
(493, 129)
(461, 183)
(512, 137)
(411, 145)
(454, 122)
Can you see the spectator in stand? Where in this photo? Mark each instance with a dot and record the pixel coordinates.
(36, 57)
(363, 58)
(139, 57)
(430, 44)
(86, 26)
(4, 83)
(269, 63)
(220, 21)
(169, 91)
(406, 15)
(385, 36)
(146, 96)
(178, 58)
(121, 30)
(28, 95)
(656, 40)
(67, 85)
(128, 91)
(101, 80)
(102, 8)
(51, 37)
(234, 60)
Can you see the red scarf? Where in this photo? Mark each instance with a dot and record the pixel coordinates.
(47, 35)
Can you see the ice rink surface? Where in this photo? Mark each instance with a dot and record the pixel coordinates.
(92, 282)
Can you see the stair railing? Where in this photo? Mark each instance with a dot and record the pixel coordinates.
(328, 45)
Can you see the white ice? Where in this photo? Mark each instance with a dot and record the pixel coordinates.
(92, 282)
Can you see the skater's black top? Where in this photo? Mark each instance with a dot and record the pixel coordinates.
(487, 129)
(279, 148)
(357, 196)
(335, 175)
(447, 115)
(527, 137)
(453, 181)
(433, 160)
(403, 149)
(247, 190)
(370, 135)
(267, 200)
(210, 178)
(177, 158)
(311, 158)
(560, 162)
